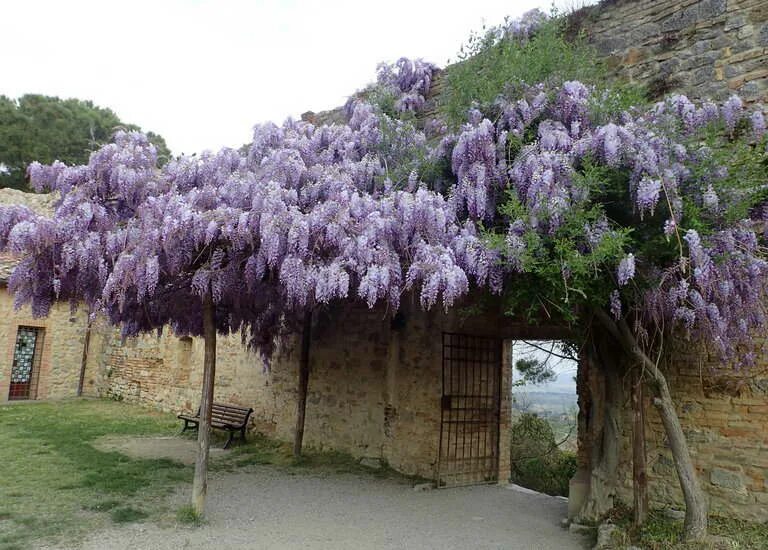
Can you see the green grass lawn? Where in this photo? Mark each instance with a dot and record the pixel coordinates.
(55, 484)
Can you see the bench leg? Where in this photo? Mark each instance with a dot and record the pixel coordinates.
(229, 440)
(188, 426)
(242, 435)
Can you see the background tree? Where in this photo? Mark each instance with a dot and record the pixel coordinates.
(44, 129)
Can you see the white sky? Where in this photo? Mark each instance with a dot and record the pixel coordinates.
(565, 369)
(201, 72)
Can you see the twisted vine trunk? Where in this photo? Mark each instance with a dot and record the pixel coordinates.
(696, 511)
(301, 401)
(200, 481)
(639, 477)
(604, 456)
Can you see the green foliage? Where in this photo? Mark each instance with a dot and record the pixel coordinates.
(662, 533)
(743, 186)
(544, 291)
(537, 463)
(534, 371)
(614, 98)
(45, 129)
(489, 66)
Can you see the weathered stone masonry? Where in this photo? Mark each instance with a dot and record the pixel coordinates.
(375, 387)
(702, 48)
(725, 418)
(62, 348)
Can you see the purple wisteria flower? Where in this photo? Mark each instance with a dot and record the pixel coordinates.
(733, 110)
(757, 119)
(527, 25)
(626, 269)
(615, 305)
(648, 194)
(410, 80)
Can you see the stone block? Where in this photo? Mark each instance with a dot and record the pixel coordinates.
(371, 462)
(762, 37)
(727, 479)
(609, 537)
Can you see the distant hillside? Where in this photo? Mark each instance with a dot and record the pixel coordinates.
(544, 403)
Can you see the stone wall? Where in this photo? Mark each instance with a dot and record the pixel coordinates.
(62, 347)
(725, 420)
(703, 48)
(374, 388)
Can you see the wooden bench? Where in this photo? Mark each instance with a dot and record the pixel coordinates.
(230, 418)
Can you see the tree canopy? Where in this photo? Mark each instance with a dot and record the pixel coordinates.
(45, 129)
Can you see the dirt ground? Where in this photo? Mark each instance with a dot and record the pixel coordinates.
(171, 447)
(262, 507)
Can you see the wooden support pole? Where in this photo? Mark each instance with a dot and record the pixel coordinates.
(639, 475)
(84, 360)
(301, 400)
(200, 482)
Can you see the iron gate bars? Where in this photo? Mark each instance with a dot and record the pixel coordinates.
(470, 408)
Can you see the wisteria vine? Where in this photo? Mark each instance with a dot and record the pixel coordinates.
(310, 215)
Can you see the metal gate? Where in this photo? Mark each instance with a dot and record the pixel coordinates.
(26, 363)
(469, 420)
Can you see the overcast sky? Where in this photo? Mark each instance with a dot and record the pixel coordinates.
(565, 369)
(202, 73)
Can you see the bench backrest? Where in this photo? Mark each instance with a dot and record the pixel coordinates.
(230, 414)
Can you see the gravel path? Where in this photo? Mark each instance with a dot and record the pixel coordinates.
(265, 508)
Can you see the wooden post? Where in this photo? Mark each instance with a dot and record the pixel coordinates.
(84, 360)
(200, 482)
(639, 476)
(301, 400)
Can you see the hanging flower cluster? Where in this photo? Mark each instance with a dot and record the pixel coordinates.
(300, 219)
(716, 289)
(527, 25)
(409, 80)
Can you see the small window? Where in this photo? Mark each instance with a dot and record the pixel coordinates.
(26, 363)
